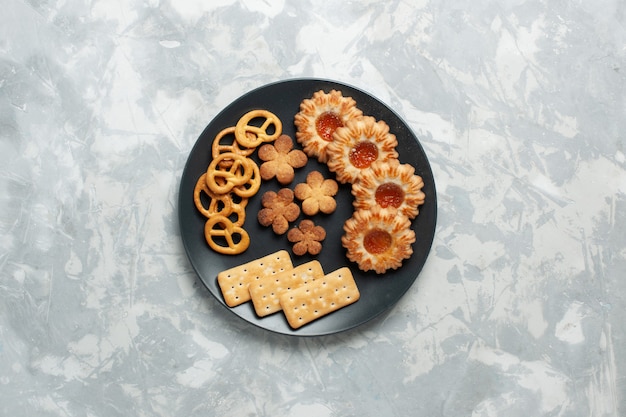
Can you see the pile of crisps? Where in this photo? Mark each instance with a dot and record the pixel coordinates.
(231, 178)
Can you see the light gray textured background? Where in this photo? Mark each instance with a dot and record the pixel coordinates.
(520, 309)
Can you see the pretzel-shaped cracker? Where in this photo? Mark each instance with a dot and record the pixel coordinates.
(250, 187)
(217, 203)
(260, 134)
(220, 145)
(220, 227)
(232, 177)
(222, 181)
(225, 205)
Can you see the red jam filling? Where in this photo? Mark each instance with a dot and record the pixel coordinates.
(377, 241)
(363, 154)
(326, 124)
(389, 194)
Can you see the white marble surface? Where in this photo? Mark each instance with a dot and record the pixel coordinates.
(520, 309)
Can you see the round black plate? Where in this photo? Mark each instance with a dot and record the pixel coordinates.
(378, 292)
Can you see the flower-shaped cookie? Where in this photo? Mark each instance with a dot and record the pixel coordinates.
(281, 159)
(357, 145)
(318, 119)
(378, 240)
(317, 194)
(391, 186)
(278, 210)
(307, 237)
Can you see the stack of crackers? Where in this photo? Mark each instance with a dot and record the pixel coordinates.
(303, 293)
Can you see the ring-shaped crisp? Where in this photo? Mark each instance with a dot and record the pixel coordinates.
(219, 228)
(217, 203)
(225, 141)
(222, 181)
(250, 187)
(251, 136)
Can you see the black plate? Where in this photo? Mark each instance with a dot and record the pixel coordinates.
(378, 292)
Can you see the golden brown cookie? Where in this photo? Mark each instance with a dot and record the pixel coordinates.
(357, 145)
(378, 240)
(318, 119)
(307, 237)
(317, 194)
(389, 185)
(278, 210)
(280, 159)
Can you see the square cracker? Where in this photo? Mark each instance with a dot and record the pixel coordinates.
(265, 292)
(234, 282)
(320, 297)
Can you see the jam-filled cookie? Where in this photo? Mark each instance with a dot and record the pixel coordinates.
(378, 240)
(318, 119)
(359, 144)
(389, 185)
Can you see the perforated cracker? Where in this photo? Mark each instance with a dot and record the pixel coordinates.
(320, 297)
(234, 282)
(265, 292)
